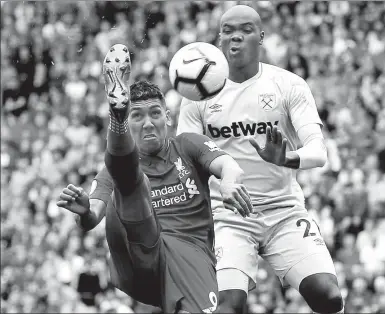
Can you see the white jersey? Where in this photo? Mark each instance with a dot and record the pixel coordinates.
(272, 97)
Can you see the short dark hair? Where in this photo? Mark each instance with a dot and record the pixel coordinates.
(144, 90)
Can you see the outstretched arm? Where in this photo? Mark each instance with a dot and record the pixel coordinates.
(90, 209)
(303, 114)
(313, 152)
(234, 194)
(93, 217)
(311, 155)
(100, 195)
(216, 162)
(89, 212)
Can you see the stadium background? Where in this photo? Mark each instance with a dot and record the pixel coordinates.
(53, 126)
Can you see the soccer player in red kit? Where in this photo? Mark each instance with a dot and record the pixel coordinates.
(159, 225)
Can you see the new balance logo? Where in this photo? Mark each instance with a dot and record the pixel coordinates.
(238, 129)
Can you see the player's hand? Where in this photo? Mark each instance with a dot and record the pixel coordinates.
(75, 200)
(275, 147)
(236, 198)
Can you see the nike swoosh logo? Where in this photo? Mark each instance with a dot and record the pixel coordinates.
(192, 60)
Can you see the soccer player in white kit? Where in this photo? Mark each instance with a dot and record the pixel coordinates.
(264, 106)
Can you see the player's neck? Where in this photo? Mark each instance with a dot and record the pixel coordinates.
(240, 75)
(159, 152)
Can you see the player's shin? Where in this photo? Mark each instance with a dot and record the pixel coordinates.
(121, 157)
(119, 139)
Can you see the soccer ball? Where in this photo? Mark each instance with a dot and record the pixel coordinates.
(198, 71)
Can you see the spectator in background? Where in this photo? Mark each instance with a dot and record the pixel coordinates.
(50, 61)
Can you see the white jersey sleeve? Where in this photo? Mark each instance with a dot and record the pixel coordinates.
(190, 118)
(313, 153)
(309, 132)
(301, 105)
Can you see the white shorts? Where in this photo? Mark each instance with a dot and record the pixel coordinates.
(288, 239)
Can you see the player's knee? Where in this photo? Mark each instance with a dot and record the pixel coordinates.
(322, 293)
(232, 301)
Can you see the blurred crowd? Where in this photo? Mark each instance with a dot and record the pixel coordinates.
(53, 127)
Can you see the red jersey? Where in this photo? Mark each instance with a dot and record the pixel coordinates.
(179, 177)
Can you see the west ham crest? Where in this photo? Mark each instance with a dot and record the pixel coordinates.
(267, 101)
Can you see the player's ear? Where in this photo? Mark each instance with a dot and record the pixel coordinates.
(261, 36)
(168, 118)
(220, 40)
